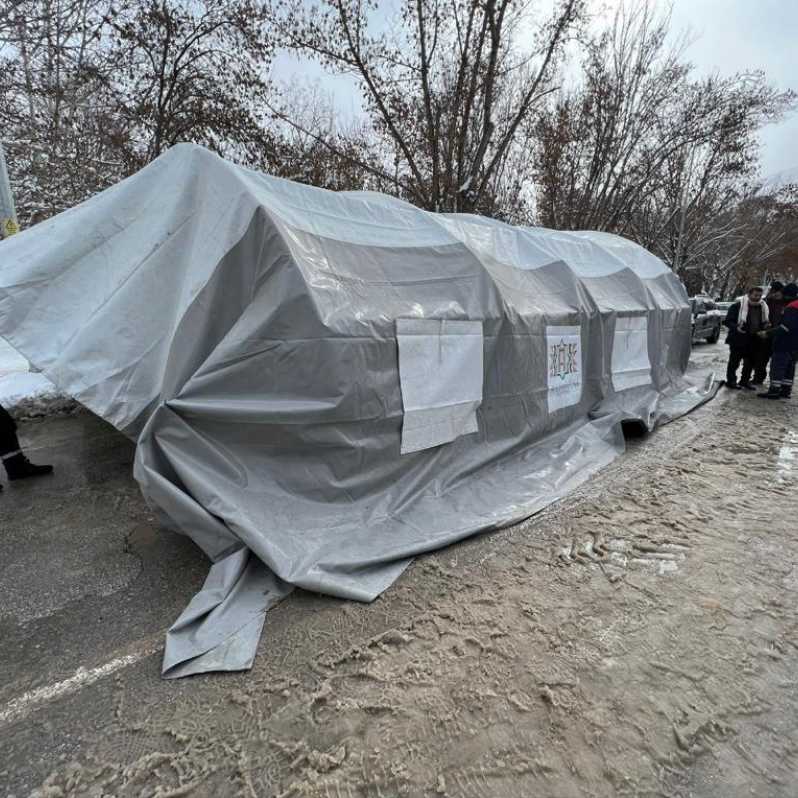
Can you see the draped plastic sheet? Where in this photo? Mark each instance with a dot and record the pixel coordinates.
(323, 386)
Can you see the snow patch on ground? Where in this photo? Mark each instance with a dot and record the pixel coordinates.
(17, 382)
(16, 387)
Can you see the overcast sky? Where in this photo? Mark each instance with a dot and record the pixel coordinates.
(728, 36)
(736, 35)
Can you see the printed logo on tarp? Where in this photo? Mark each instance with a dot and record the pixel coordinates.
(563, 359)
(564, 356)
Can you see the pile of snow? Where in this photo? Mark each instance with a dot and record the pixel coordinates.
(17, 382)
(44, 406)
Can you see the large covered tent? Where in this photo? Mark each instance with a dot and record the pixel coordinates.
(324, 385)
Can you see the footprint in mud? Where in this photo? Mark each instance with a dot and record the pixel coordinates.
(619, 554)
(658, 557)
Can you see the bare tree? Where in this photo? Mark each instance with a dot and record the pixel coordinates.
(192, 70)
(57, 119)
(760, 244)
(447, 87)
(644, 149)
(92, 91)
(318, 149)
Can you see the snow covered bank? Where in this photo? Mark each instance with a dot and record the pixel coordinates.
(22, 388)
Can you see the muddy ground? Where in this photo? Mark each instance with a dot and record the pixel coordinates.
(639, 638)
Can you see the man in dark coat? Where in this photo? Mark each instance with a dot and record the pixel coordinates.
(746, 318)
(785, 348)
(16, 464)
(775, 302)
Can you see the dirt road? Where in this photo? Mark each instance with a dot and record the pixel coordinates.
(639, 638)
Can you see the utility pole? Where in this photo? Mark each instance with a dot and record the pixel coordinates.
(8, 213)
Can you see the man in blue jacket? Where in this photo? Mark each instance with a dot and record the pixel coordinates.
(775, 302)
(785, 348)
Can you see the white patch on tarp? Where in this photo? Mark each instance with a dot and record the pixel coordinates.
(631, 366)
(563, 366)
(441, 375)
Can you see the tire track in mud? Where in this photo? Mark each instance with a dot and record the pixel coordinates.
(637, 639)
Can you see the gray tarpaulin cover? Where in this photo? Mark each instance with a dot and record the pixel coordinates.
(324, 385)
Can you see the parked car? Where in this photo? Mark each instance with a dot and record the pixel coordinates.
(723, 307)
(707, 322)
(720, 310)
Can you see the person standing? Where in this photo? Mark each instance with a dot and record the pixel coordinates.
(746, 318)
(785, 348)
(775, 302)
(16, 464)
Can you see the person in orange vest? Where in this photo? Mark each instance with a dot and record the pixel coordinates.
(16, 464)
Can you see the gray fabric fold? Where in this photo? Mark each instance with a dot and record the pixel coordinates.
(220, 628)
